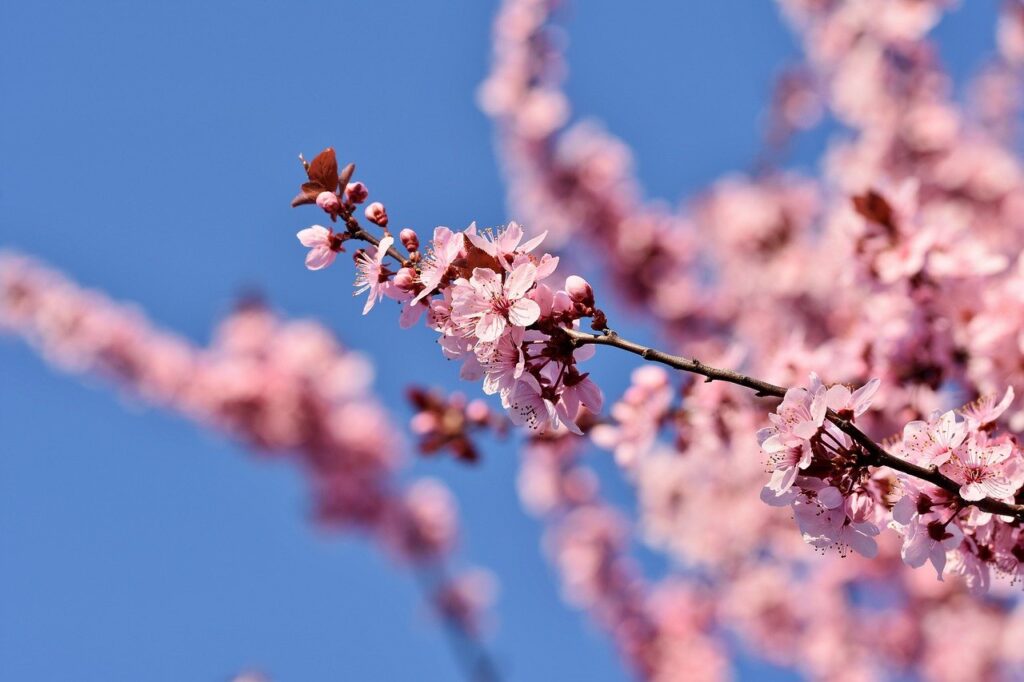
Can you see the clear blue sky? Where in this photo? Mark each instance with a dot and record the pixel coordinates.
(149, 150)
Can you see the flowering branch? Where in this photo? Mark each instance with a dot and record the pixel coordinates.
(492, 298)
(876, 454)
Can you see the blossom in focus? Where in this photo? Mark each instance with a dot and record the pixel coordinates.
(371, 274)
(492, 305)
(320, 242)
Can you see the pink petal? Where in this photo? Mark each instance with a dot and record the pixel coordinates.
(830, 497)
(916, 547)
(411, 313)
(490, 326)
(480, 242)
(524, 312)
(317, 235)
(590, 395)
(861, 398)
(520, 280)
(533, 243)
(319, 257)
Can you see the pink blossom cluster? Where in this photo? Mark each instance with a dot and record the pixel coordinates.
(485, 293)
(819, 471)
(901, 262)
(287, 389)
(936, 525)
(663, 631)
(448, 422)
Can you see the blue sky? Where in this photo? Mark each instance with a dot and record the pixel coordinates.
(149, 151)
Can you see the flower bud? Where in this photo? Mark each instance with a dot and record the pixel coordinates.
(579, 290)
(376, 214)
(405, 278)
(409, 239)
(356, 192)
(330, 203)
(478, 411)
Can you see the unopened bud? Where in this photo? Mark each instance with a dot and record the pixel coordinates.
(477, 411)
(357, 193)
(409, 239)
(579, 290)
(330, 203)
(376, 214)
(405, 278)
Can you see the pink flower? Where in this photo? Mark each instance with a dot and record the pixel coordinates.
(822, 519)
(977, 466)
(493, 304)
(503, 364)
(841, 400)
(583, 392)
(445, 248)
(984, 411)
(527, 407)
(505, 244)
(926, 538)
(318, 239)
(933, 443)
(787, 442)
(371, 276)
(798, 418)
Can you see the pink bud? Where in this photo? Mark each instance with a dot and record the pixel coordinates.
(376, 214)
(405, 278)
(477, 411)
(409, 239)
(356, 192)
(579, 290)
(330, 203)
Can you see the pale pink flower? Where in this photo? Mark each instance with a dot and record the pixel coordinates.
(798, 418)
(929, 541)
(504, 244)
(444, 249)
(527, 407)
(318, 240)
(371, 273)
(933, 443)
(494, 304)
(503, 364)
(841, 400)
(583, 392)
(985, 411)
(977, 467)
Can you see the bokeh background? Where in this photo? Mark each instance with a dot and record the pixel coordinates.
(149, 150)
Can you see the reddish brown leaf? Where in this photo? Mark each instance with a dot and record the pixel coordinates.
(308, 194)
(323, 170)
(874, 207)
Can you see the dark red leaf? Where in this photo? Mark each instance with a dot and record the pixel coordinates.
(323, 170)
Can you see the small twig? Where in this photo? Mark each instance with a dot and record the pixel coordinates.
(877, 455)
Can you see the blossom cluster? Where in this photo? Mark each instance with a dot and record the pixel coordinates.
(819, 471)
(839, 498)
(936, 524)
(900, 261)
(285, 388)
(489, 296)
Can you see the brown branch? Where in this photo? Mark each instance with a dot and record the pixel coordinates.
(876, 454)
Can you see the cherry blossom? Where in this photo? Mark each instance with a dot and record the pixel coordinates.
(321, 244)
(372, 275)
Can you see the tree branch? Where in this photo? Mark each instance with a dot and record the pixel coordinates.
(877, 455)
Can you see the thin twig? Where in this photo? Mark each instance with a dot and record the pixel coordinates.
(876, 454)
